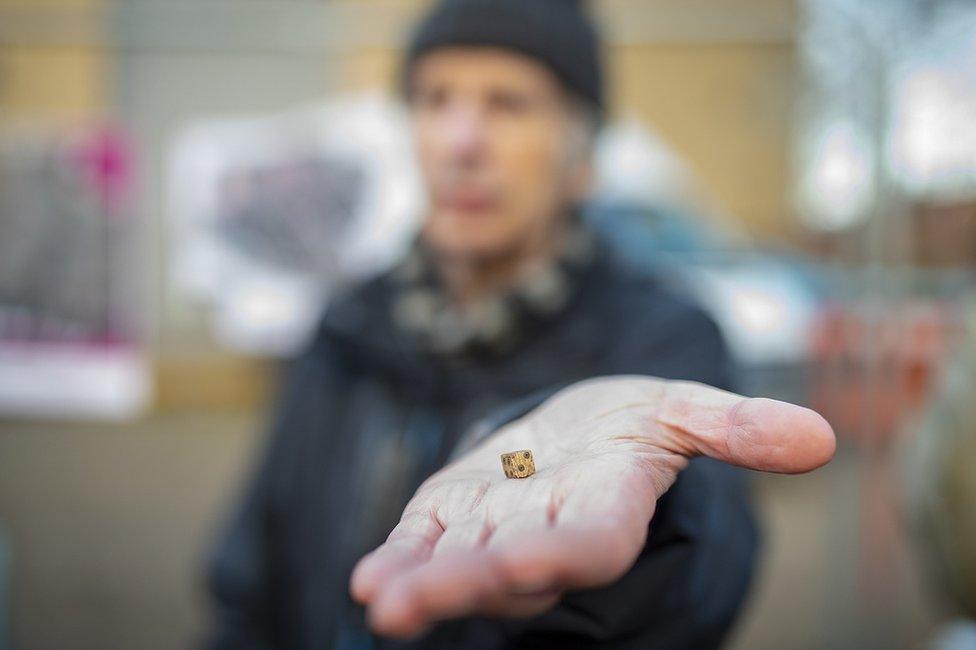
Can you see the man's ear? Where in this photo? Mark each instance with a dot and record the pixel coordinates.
(580, 142)
(582, 177)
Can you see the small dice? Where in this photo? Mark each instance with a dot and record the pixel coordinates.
(518, 464)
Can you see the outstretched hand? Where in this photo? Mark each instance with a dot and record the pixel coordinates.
(473, 542)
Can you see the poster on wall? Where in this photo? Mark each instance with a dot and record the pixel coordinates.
(70, 321)
(272, 214)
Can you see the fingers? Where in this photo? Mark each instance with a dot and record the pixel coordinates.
(409, 545)
(407, 608)
(757, 433)
(567, 556)
(517, 577)
(450, 585)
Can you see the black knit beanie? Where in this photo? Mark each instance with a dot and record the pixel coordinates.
(559, 33)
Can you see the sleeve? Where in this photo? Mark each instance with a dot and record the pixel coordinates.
(246, 567)
(690, 580)
(239, 575)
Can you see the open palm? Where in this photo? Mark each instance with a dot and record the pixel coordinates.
(472, 541)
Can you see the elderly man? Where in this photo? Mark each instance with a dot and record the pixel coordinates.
(478, 344)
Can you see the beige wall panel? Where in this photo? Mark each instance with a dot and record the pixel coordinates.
(36, 81)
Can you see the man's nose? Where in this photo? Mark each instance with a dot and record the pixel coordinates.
(465, 134)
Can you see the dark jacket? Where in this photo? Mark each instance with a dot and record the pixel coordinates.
(365, 415)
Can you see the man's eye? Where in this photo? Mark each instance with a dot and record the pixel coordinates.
(429, 99)
(509, 102)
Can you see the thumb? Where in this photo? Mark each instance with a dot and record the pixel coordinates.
(757, 433)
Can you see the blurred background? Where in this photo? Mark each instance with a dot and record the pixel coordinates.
(184, 183)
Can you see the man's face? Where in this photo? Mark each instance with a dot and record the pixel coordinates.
(499, 148)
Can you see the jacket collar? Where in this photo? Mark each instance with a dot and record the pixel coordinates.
(421, 307)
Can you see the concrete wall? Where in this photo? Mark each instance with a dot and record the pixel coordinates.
(108, 524)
